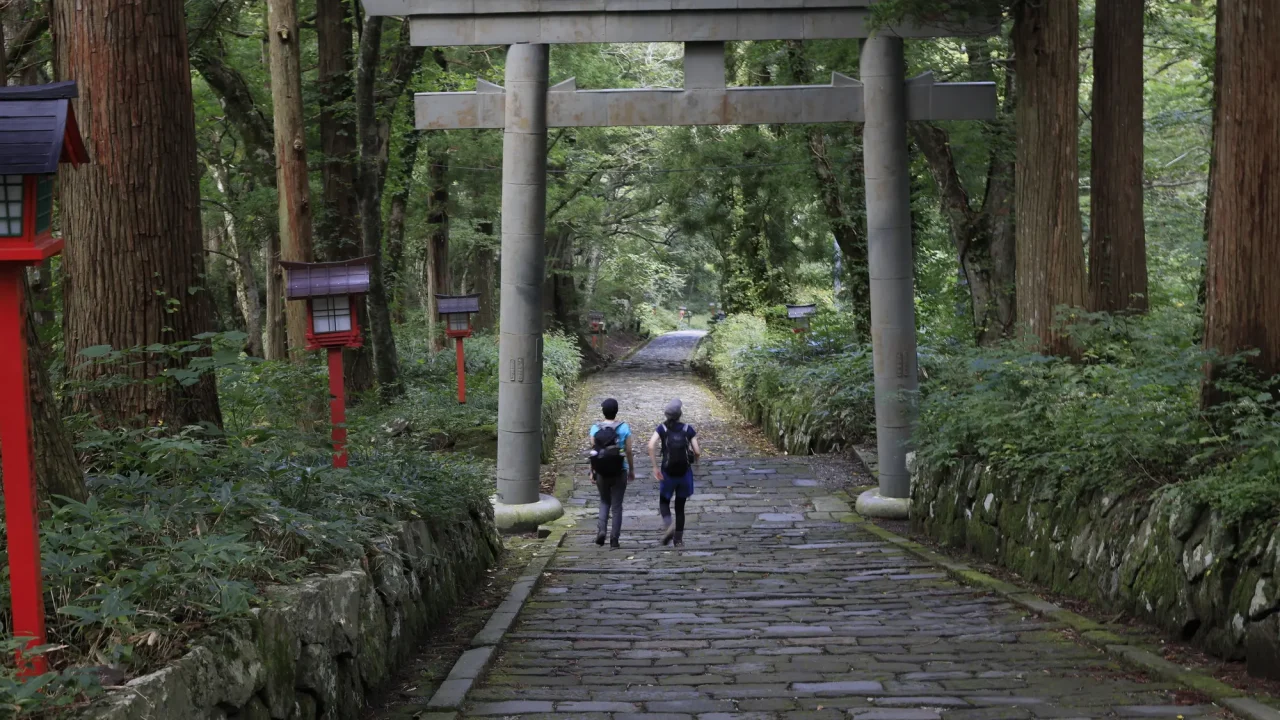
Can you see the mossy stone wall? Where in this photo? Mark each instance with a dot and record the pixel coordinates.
(1173, 563)
(319, 648)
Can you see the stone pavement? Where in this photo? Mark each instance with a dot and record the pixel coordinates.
(774, 608)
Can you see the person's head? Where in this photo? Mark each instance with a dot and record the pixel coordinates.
(609, 408)
(673, 411)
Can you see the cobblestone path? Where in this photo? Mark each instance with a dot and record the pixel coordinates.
(774, 608)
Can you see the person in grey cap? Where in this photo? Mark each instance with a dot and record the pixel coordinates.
(679, 442)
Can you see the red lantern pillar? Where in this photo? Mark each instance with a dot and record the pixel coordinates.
(21, 517)
(462, 374)
(338, 407)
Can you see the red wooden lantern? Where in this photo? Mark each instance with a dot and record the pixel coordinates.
(799, 316)
(456, 311)
(596, 320)
(332, 291)
(37, 133)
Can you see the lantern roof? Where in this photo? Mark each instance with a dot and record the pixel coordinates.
(446, 304)
(798, 311)
(345, 277)
(38, 129)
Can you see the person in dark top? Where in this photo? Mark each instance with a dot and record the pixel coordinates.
(612, 465)
(679, 443)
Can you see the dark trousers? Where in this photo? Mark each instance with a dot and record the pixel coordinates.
(611, 491)
(664, 509)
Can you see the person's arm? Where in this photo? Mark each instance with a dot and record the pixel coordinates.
(653, 456)
(697, 449)
(631, 458)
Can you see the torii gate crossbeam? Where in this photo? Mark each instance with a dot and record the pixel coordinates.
(883, 99)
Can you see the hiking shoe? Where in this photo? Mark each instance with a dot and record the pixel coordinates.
(667, 532)
(600, 539)
(680, 539)
(615, 544)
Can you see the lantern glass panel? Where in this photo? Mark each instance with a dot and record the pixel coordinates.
(459, 322)
(44, 203)
(331, 314)
(11, 206)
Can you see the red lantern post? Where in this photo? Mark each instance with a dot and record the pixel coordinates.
(799, 316)
(456, 311)
(332, 291)
(37, 132)
(596, 319)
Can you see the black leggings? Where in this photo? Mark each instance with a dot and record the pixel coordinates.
(664, 506)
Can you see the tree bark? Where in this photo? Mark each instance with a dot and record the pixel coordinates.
(372, 172)
(1117, 241)
(339, 222)
(292, 184)
(437, 265)
(983, 233)
(134, 262)
(484, 262)
(57, 467)
(1050, 258)
(259, 137)
(1242, 309)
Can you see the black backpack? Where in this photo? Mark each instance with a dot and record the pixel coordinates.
(606, 456)
(675, 450)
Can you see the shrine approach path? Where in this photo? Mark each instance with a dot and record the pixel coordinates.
(777, 607)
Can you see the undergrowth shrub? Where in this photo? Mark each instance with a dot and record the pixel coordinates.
(810, 392)
(1126, 416)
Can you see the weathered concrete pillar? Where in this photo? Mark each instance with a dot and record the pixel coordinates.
(893, 327)
(524, 205)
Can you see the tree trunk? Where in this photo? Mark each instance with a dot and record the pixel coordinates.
(845, 227)
(292, 184)
(437, 265)
(1242, 310)
(372, 171)
(275, 338)
(246, 281)
(983, 233)
(1050, 258)
(57, 468)
(1117, 242)
(485, 270)
(134, 263)
(338, 221)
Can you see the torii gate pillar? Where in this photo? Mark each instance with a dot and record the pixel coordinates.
(524, 213)
(890, 262)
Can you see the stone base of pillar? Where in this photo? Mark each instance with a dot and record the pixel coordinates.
(872, 504)
(512, 519)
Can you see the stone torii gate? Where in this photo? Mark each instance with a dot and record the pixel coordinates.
(883, 99)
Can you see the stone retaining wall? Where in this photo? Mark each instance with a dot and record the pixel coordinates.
(1173, 563)
(318, 649)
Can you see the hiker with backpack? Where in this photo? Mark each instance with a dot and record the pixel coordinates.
(680, 450)
(612, 465)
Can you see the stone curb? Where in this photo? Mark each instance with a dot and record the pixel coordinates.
(1090, 631)
(473, 663)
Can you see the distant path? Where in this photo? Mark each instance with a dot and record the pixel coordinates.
(774, 609)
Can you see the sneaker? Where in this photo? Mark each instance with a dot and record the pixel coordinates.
(680, 539)
(600, 539)
(667, 532)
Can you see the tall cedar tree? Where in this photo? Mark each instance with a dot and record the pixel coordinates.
(292, 182)
(338, 223)
(1050, 259)
(1117, 240)
(1242, 309)
(133, 264)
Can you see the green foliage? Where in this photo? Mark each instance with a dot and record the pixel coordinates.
(810, 392)
(1127, 417)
